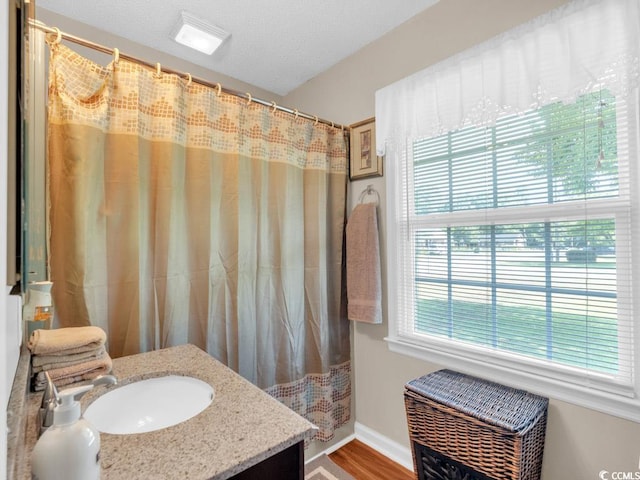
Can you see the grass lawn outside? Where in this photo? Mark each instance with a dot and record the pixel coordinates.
(569, 338)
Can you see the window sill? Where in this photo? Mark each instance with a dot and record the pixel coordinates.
(502, 371)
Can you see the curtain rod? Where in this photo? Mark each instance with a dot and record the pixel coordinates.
(114, 51)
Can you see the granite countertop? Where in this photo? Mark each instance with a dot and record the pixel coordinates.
(242, 426)
(17, 420)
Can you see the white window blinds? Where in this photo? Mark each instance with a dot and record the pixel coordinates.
(520, 234)
(511, 211)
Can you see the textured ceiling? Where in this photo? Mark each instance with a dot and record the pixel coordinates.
(276, 44)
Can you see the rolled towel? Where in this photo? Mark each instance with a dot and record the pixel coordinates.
(41, 363)
(66, 341)
(75, 373)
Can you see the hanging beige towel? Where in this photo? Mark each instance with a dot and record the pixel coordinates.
(75, 373)
(363, 265)
(66, 341)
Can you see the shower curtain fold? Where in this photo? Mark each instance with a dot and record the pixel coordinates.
(180, 216)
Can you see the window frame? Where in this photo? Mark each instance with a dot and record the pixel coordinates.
(558, 382)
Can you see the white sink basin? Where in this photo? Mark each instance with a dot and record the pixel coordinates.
(149, 404)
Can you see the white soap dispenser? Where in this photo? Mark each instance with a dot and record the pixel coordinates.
(70, 448)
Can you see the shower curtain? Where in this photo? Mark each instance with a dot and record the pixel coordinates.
(182, 215)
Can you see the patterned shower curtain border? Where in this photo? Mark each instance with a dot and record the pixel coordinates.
(322, 398)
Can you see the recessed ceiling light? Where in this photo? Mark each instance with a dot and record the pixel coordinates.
(199, 35)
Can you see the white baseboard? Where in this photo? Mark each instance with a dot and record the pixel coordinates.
(389, 448)
(332, 448)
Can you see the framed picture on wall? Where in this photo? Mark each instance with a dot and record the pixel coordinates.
(363, 161)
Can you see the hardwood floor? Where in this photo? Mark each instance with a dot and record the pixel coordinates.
(364, 463)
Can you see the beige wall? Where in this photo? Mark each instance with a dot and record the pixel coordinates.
(580, 442)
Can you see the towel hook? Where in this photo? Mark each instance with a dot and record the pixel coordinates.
(369, 191)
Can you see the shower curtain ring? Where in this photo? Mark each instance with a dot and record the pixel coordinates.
(58, 36)
(158, 69)
(249, 98)
(296, 113)
(316, 122)
(219, 89)
(189, 79)
(116, 56)
(274, 107)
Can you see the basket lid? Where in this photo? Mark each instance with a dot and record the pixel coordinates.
(505, 407)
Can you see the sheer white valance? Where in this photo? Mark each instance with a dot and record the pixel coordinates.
(584, 45)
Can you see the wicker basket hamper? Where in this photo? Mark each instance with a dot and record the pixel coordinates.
(465, 427)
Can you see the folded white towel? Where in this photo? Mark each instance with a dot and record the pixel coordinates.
(364, 291)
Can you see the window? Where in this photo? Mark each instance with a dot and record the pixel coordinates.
(542, 282)
(519, 243)
(510, 225)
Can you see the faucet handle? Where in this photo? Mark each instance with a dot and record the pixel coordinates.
(50, 400)
(47, 416)
(50, 392)
(105, 380)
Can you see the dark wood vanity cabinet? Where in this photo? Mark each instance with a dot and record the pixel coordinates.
(285, 465)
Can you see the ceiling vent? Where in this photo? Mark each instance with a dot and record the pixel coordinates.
(194, 33)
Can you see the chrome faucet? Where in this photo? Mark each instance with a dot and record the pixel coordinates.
(49, 402)
(50, 399)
